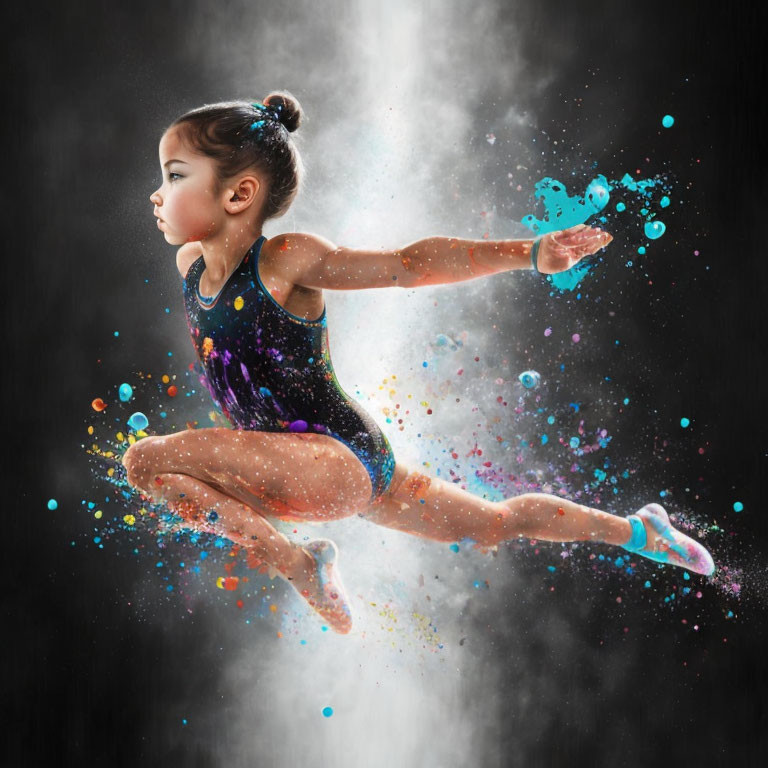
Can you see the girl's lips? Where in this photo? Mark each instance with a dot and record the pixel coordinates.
(159, 222)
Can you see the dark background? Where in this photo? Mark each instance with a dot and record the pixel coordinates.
(87, 680)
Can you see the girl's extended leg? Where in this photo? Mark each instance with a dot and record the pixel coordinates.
(243, 476)
(432, 508)
(435, 509)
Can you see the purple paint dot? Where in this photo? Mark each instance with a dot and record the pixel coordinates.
(548, 332)
(736, 588)
(576, 338)
(298, 426)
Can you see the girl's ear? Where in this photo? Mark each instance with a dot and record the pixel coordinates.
(243, 194)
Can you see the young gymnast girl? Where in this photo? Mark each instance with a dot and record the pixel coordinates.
(302, 449)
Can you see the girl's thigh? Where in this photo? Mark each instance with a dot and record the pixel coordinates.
(302, 476)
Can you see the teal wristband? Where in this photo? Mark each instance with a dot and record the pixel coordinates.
(535, 254)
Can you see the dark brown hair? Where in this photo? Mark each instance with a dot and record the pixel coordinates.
(240, 135)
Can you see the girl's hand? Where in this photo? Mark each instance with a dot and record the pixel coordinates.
(560, 250)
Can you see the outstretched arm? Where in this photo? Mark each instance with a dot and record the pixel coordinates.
(317, 263)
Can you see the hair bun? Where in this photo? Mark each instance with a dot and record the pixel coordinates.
(288, 108)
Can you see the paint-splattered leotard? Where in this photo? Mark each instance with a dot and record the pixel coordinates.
(270, 370)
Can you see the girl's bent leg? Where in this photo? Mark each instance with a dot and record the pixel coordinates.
(434, 509)
(195, 501)
(246, 475)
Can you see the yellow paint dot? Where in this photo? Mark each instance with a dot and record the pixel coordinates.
(220, 582)
(97, 514)
(142, 511)
(273, 608)
(110, 472)
(131, 439)
(142, 433)
(130, 519)
(239, 303)
(120, 436)
(166, 378)
(90, 430)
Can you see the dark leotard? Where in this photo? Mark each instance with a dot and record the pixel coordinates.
(270, 370)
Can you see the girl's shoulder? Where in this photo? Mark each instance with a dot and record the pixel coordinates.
(291, 253)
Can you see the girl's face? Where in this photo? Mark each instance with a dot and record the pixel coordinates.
(186, 204)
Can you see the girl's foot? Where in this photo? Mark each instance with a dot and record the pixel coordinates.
(323, 589)
(654, 537)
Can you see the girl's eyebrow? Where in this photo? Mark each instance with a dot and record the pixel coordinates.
(166, 164)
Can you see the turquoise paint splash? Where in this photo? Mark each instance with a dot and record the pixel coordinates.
(562, 211)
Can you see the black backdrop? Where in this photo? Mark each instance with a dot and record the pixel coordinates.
(86, 680)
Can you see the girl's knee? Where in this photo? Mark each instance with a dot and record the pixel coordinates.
(138, 461)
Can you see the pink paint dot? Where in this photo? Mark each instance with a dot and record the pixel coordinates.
(547, 331)
(695, 253)
(736, 587)
(576, 338)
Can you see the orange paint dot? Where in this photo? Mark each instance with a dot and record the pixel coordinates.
(172, 390)
(98, 404)
(560, 511)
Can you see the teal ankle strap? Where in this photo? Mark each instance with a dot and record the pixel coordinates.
(639, 538)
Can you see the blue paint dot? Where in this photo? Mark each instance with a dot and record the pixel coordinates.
(667, 121)
(574, 442)
(626, 401)
(138, 421)
(550, 420)
(618, 562)
(125, 392)
(327, 711)
(167, 311)
(454, 547)
(424, 364)
(544, 439)
(664, 202)
(737, 506)
(654, 229)
(117, 333)
(53, 504)
(684, 422)
(621, 207)
(184, 721)
(641, 250)
(662, 494)
(647, 584)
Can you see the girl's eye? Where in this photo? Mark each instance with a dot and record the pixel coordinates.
(174, 174)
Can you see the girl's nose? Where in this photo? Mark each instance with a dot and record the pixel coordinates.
(154, 198)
